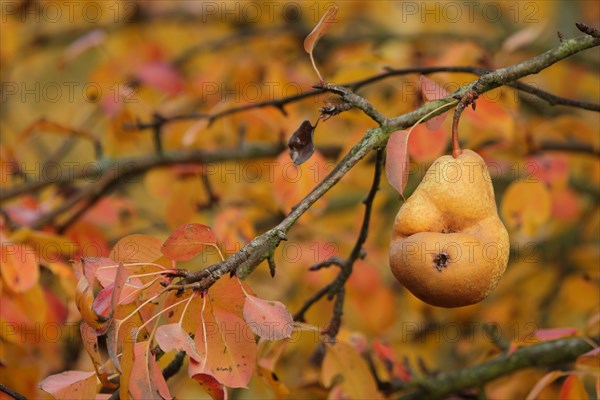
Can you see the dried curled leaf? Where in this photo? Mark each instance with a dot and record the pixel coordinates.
(301, 143)
(321, 29)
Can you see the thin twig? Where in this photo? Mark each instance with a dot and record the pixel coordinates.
(336, 289)
(254, 252)
(12, 393)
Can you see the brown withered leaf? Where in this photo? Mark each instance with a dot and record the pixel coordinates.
(301, 143)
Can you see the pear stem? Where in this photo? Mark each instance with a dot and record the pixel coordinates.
(467, 99)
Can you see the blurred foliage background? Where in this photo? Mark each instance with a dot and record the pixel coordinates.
(92, 67)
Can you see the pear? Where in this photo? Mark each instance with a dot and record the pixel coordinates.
(449, 247)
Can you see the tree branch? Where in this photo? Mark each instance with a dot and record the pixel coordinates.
(337, 287)
(258, 249)
(539, 355)
(500, 77)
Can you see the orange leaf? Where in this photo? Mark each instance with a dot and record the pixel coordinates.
(526, 206)
(18, 266)
(146, 380)
(397, 160)
(590, 359)
(120, 279)
(542, 383)
(71, 385)
(233, 229)
(427, 144)
(84, 300)
(573, 388)
(187, 241)
(137, 248)
(342, 362)
(292, 182)
(268, 319)
(322, 27)
(227, 344)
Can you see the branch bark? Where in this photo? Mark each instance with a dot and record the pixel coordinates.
(258, 249)
(539, 355)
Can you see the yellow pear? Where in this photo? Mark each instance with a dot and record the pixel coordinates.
(449, 247)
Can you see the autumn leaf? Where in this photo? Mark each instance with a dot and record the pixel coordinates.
(84, 299)
(19, 266)
(69, 385)
(522, 38)
(89, 338)
(397, 161)
(427, 144)
(590, 360)
(90, 267)
(572, 388)
(321, 29)
(172, 336)
(542, 383)
(292, 182)
(209, 383)
(526, 207)
(136, 248)
(146, 380)
(266, 366)
(234, 229)
(227, 344)
(268, 319)
(187, 241)
(432, 91)
(162, 76)
(301, 143)
(342, 364)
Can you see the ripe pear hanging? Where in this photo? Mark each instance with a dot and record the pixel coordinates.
(449, 247)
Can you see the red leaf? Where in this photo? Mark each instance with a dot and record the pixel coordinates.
(386, 353)
(187, 241)
(210, 385)
(71, 385)
(146, 380)
(172, 336)
(432, 91)
(397, 160)
(268, 319)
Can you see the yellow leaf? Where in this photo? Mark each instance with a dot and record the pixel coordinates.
(343, 365)
(526, 207)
